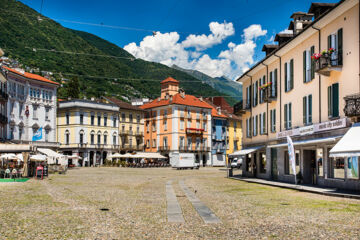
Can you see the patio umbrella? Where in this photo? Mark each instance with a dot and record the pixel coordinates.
(74, 157)
(38, 158)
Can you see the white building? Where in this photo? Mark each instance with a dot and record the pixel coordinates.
(31, 108)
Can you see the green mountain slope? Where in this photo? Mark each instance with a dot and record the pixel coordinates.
(222, 84)
(22, 36)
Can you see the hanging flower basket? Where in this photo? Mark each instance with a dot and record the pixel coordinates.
(265, 86)
(324, 53)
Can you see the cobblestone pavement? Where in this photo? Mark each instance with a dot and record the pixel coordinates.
(68, 207)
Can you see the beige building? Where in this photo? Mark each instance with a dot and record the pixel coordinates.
(294, 92)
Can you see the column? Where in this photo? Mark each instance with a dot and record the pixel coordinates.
(94, 158)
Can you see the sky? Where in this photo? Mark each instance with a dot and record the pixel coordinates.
(219, 38)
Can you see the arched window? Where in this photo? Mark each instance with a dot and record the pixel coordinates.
(99, 137)
(92, 136)
(67, 137)
(114, 138)
(81, 137)
(105, 137)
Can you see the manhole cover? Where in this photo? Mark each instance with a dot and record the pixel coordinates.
(104, 209)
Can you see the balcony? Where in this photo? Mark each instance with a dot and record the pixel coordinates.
(195, 131)
(241, 107)
(124, 132)
(115, 146)
(139, 133)
(164, 148)
(352, 105)
(270, 95)
(82, 145)
(327, 63)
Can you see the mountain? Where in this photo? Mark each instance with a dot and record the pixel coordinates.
(222, 84)
(29, 37)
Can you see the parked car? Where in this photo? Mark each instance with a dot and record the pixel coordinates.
(236, 163)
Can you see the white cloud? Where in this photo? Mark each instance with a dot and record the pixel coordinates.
(231, 62)
(219, 31)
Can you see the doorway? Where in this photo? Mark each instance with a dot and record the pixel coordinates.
(309, 161)
(204, 160)
(274, 171)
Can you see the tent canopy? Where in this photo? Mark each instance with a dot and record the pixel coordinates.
(38, 158)
(49, 152)
(15, 148)
(308, 141)
(245, 151)
(10, 156)
(349, 144)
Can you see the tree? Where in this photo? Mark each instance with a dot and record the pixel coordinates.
(73, 88)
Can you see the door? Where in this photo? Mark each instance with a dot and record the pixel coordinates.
(309, 169)
(274, 171)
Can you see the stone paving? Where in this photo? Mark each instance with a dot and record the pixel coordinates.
(69, 207)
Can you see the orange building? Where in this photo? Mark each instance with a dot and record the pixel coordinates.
(177, 123)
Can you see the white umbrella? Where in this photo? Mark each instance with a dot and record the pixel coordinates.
(20, 157)
(74, 157)
(8, 156)
(116, 155)
(38, 157)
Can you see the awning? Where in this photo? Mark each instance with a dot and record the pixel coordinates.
(14, 148)
(308, 141)
(349, 144)
(38, 158)
(49, 152)
(245, 151)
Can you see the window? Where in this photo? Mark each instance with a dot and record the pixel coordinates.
(123, 117)
(262, 123)
(204, 126)
(165, 141)
(273, 80)
(198, 143)
(255, 95)
(147, 126)
(181, 124)
(81, 140)
(20, 132)
(335, 41)
(197, 124)
(182, 142)
(287, 164)
(67, 116)
(114, 121)
(138, 118)
(99, 138)
(255, 121)
(130, 117)
(148, 143)
(154, 143)
(35, 111)
(307, 110)
(165, 124)
(262, 162)
(105, 120)
(289, 75)
(352, 167)
(67, 137)
(262, 91)
(12, 103)
(308, 65)
(248, 127)
(189, 143)
(273, 120)
(47, 131)
(333, 100)
(338, 168)
(114, 139)
(92, 138)
(92, 119)
(189, 123)
(287, 116)
(319, 162)
(105, 139)
(12, 133)
(99, 120)
(153, 126)
(248, 96)
(81, 118)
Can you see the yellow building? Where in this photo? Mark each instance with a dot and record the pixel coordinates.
(301, 89)
(234, 135)
(89, 129)
(131, 126)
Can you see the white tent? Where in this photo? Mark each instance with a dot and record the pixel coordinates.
(38, 158)
(54, 157)
(9, 156)
(349, 144)
(74, 157)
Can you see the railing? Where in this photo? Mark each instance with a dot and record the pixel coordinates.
(241, 107)
(270, 95)
(164, 148)
(124, 132)
(352, 105)
(139, 133)
(328, 62)
(115, 146)
(82, 145)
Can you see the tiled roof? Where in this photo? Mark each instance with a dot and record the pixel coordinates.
(214, 112)
(188, 100)
(122, 104)
(31, 76)
(170, 79)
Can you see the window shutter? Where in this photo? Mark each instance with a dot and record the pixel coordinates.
(285, 116)
(264, 123)
(250, 127)
(291, 73)
(310, 108)
(304, 110)
(275, 82)
(286, 73)
(289, 115)
(340, 46)
(250, 95)
(312, 51)
(329, 102)
(304, 66)
(335, 99)
(274, 120)
(329, 41)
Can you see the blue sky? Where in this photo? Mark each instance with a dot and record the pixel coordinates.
(223, 51)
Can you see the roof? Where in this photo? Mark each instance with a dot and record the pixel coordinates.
(122, 104)
(283, 35)
(31, 76)
(188, 100)
(170, 80)
(349, 145)
(301, 13)
(214, 112)
(317, 4)
(280, 47)
(267, 46)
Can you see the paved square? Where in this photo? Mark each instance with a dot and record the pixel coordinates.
(68, 207)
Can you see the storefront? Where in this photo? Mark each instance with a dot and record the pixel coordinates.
(250, 161)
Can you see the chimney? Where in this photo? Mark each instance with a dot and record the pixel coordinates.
(300, 21)
(171, 98)
(269, 48)
(182, 92)
(218, 109)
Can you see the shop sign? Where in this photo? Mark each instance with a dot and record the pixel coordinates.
(319, 127)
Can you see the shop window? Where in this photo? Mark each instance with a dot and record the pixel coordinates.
(320, 162)
(248, 163)
(262, 162)
(352, 168)
(287, 163)
(337, 168)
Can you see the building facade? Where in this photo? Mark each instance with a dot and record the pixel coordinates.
(3, 104)
(131, 126)
(298, 90)
(89, 129)
(234, 135)
(31, 108)
(177, 123)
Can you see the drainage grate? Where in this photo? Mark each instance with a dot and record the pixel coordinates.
(104, 209)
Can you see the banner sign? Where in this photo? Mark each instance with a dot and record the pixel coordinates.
(291, 155)
(319, 127)
(38, 135)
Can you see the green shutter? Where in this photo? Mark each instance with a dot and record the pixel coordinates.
(275, 81)
(250, 95)
(335, 99)
(312, 51)
(329, 102)
(274, 119)
(310, 108)
(285, 116)
(291, 73)
(264, 123)
(269, 90)
(290, 118)
(256, 92)
(304, 66)
(329, 41)
(285, 78)
(340, 46)
(304, 110)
